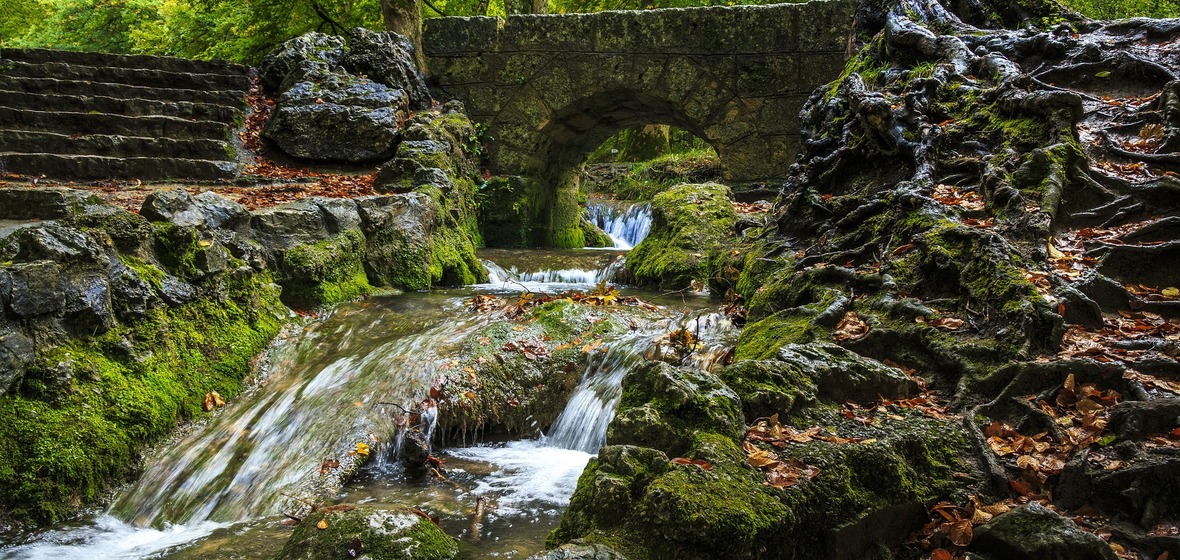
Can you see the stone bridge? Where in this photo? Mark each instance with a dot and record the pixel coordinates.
(551, 88)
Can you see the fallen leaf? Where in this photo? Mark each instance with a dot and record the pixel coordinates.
(959, 532)
(851, 327)
(323, 524)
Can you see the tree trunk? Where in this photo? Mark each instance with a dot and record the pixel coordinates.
(405, 17)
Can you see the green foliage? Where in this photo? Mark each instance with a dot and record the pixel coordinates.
(204, 29)
(1117, 9)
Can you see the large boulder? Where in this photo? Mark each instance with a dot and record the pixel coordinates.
(399, 245)
(1033, 532)
(691, 225)
(368, 532)
(309, 57)
(664, 406)
(352, 120)
(342, 103)
(387, 58)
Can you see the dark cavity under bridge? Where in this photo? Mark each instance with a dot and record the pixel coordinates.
(551, 88)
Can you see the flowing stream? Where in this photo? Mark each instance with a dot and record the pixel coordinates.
(214, 492)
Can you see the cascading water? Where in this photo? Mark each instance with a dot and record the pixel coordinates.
(321, 398)
(596, 268)
(626, 223)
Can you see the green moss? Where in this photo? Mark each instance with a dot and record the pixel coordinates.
(384, 533)
(761, 339)
(325, 273)
(128, 387)
(178, 247)
(722, 513)
(691, 227)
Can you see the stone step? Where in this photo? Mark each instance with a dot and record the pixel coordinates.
(162, 79)
(116, 106)
(100, 167)
(171, 64)
(229, 98)
(24, 141)
(99, 123)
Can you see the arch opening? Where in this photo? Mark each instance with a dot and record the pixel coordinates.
(572, 134)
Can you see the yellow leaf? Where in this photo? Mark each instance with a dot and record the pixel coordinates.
(1170, 292)
(362, 448)
(1054, 253)
(205, 243)
(323, 524)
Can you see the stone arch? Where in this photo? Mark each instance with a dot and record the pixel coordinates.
(545, 132)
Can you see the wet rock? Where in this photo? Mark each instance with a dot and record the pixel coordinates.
(664, 406)
(768, 387)
(221, 212)
(56, 242)
(282, 227)
(398, 239)
(368, 532)
(1033, 532)
(16, 353)
(387, 58)
(340, 214)
(418, 162)
(325, 272)
(207, 209)
(176, 291)
(353, 120)
(87, 303)
(131, 295)
(35, 289)
(309, 57)
(415, 451)
(579, 551)
(842, 375)
(43, 203)
(174, 205)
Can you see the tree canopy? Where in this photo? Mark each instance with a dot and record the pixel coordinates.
(244, 31)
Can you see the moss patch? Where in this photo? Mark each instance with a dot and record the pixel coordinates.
(691, 227)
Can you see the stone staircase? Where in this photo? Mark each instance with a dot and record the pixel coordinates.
(91, 116)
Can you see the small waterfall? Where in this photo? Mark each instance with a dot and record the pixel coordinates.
(582, 424)
(626, 224)
(548, 280)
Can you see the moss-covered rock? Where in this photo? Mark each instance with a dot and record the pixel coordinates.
(326, 272)
(441, 161)
(664, 406)
(691, 227)
(368, 532)
(180, 317)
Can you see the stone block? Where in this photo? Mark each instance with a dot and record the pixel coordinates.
(460, 35)
(766, 75)
(817, 69)
(825, 25)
